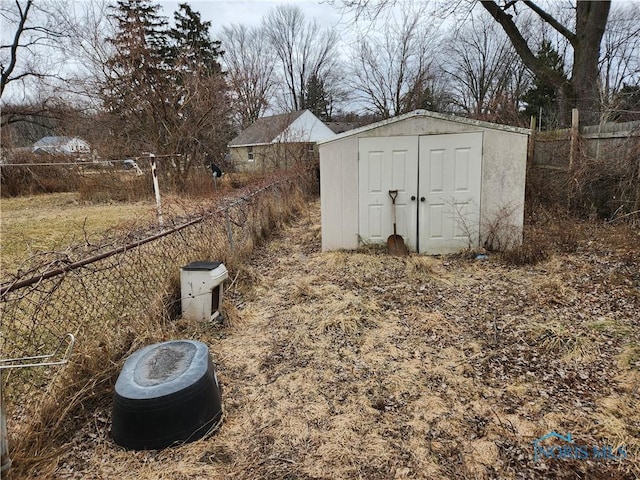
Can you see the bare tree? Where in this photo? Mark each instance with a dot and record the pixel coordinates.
(582, 89)
(390, 68)
(88, 26)
(250, 66)
(52, 53)
(584, 32)
(29, 30)
(303, 50)
(488, 76)
(29, 58)
(620, 59)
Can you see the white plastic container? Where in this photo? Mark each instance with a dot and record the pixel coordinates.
(201, 290)
(5, 461)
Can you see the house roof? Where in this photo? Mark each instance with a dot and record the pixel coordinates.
(265, 130)
(53, 141)
(340, 127)
(426, 113)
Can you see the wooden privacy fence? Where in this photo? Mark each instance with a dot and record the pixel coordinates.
(591, 169)
(113, 296)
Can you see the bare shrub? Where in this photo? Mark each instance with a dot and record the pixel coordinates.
(566, 237)
(536, 245)
(546, 188)
(115, 186)
(26, 175)
(602, 182)
(529, 253)
(500, 230)
(606, 183)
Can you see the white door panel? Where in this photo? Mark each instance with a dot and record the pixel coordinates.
(387, 163)
(449, 178)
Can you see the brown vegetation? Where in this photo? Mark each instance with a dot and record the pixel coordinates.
(363, 365)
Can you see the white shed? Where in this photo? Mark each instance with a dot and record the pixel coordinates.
(460, 183)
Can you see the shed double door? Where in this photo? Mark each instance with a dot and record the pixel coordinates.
(438, 179)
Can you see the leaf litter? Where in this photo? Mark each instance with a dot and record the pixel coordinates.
(345, 365)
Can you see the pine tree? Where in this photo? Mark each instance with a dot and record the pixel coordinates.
(133, 91)
(166, 92)
(541, 98)
(201, 93)
(420, 97)
(139, 43)
(191, 46)
(314, 98)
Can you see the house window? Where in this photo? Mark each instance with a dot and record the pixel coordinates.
(310, 148)
(250, 157)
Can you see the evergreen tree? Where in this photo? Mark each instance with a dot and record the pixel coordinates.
(140, 41)
(136, 73)
(314, 98)
(201, 100)
(421, 97)
(165, 92)
(191, 46)
(542, 99)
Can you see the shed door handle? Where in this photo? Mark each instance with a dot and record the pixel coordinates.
(422, 199)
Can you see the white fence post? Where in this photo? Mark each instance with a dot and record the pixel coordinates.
(156, 189)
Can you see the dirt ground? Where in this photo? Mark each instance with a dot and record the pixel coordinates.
(360, 365)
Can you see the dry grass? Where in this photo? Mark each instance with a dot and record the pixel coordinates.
(347, 365)
(35, 225)
(43, 223)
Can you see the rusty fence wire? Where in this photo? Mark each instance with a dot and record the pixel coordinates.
(99, 294)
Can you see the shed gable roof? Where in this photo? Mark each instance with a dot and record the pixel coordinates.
(426, 113)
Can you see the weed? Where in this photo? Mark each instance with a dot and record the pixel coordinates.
(525, 254)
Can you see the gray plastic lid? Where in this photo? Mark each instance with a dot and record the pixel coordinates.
(162, 369)
(202, 266)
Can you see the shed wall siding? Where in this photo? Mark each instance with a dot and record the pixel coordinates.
(503, 187)
(339, 194)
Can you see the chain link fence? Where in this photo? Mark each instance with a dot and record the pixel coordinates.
(114, 296)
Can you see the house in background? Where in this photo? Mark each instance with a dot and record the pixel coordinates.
(75, 146)
(278, 141)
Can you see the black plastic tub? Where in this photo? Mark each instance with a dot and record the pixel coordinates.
(166, 394)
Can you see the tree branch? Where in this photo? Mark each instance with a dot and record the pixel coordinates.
(537, 66)
(7, 71)
(564, 31)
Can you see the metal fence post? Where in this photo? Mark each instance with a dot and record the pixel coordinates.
(229, 233)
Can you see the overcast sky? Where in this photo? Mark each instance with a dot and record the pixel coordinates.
(250, 12)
